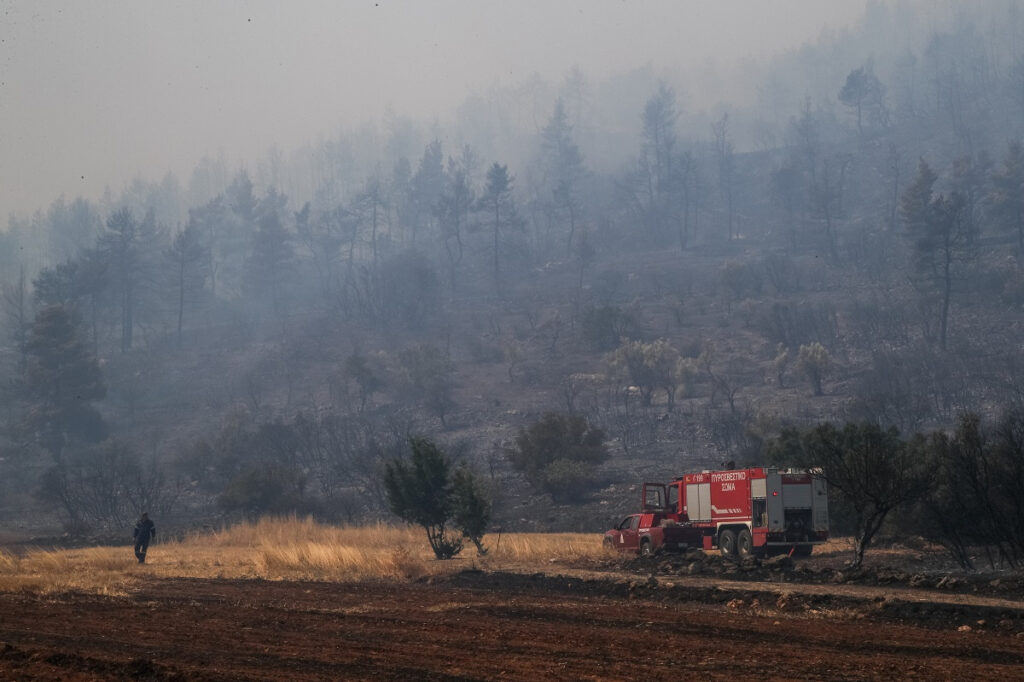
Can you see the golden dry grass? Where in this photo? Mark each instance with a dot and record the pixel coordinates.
(282, 549)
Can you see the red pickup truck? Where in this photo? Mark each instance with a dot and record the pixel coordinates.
(649, 532)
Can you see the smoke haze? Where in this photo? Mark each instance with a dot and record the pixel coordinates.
(92, 94)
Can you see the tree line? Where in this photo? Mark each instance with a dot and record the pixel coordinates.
(961, 488)
(868, 255)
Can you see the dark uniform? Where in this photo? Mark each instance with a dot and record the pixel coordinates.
(145, 530)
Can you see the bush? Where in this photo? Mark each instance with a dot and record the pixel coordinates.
(566, 480)
(104, 486)
(408, 291)
(256, 491)
(795, 324)
(429, 372)
(977, 487)
(603, 328)
(558, 455)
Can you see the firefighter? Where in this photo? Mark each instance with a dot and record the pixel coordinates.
(145, 530)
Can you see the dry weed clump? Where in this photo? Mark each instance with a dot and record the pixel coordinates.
(7, 562)
(96, 569)
(834, 546)
(304, 549)
(542, 547)
(282, 549)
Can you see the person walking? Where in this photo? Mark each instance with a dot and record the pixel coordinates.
(145, 530)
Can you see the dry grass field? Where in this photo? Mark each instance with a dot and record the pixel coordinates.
(280, 549)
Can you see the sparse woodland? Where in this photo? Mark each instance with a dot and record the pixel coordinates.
(844, 247)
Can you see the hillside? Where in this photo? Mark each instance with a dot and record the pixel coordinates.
(690, 283)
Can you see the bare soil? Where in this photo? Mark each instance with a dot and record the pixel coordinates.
(629, 622)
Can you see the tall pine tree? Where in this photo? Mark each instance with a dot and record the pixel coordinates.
(62, 381)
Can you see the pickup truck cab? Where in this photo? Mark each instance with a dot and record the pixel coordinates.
(649, 532)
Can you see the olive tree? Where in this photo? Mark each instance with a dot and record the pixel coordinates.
(814, 361)
(649, 366)
(870, 468)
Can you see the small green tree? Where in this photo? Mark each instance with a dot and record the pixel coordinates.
(424, 491)
(472, 512)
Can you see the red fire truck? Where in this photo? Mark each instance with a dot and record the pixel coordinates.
(740, 511)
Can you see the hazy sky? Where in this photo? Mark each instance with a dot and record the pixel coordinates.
(94, 93)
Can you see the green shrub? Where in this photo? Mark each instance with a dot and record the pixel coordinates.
(558, 454)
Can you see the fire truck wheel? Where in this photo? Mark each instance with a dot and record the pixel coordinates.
(646, 549)
(744, 543)
(727, 542)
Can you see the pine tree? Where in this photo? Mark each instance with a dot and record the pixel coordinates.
(499, 209)
(62, 380)
(943, 240)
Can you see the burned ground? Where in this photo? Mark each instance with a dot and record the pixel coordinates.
(578, 623)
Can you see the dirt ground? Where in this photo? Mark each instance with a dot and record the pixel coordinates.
(481, 625)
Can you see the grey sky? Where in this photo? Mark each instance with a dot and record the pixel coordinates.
(94, 93)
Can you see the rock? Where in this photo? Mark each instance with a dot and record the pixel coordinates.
(964, 628)
(891, 575)
(850, 575)
(779, 562)
(920, 580)
(696, 568)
